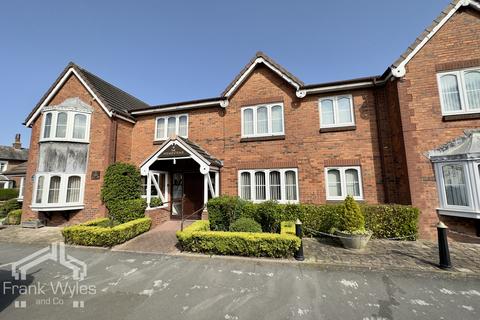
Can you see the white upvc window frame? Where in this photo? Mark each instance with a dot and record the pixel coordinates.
(21, 188)
(165, 129)
(267, 184)
(5, 165)
(148, 196)
(343, 182)
(269, 133)
(69, 130)
(460, 74)
(62, 204)
(335, 111)
(471, 177)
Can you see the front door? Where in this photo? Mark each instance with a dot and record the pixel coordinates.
(193, 201)
(177, 195)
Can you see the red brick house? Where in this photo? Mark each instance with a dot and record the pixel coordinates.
(13, 166)
(408, 136)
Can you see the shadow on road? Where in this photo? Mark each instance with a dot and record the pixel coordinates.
(9, 288)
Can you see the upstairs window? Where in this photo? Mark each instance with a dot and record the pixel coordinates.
(166, 127)
(336, 111)
(65, 126)
(343, 181)
(269, 184)
(263, 120)
(459, 91)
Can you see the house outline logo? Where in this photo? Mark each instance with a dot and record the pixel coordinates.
(54, 252)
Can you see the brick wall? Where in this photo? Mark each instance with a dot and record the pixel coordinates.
(100, 137)
(423, 129)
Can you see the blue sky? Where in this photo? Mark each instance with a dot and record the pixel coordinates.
(179, 50)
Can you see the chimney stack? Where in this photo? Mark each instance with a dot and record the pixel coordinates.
(17, 144)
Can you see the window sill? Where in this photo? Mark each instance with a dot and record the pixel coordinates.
(263, 138)
(337, 129)
(63, 140)
(466, 213)
(462, 116)
(56, 207)
(335, 201)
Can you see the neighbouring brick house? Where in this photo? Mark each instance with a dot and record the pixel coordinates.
(408, 136)
(13, 166)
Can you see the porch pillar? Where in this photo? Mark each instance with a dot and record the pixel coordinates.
(205, 188)
(149, 189)
(217, 183)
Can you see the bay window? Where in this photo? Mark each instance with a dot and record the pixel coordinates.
(459, 91)
(65, 125)
(336, 111)
(166, 127)
(262, 120)
(269, 184)
(58, 191)
(343, 181)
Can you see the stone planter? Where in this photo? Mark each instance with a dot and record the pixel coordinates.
(34, 224)
(354, 241)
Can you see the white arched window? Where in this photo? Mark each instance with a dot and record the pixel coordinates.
(79, 126)
(269, 184)
(459, 91)
(275, 186)
(47, 127)
(262, 120)
(169, 126)
(343, 181)
(73, 189)
(245, 186)
(54, 189)
(61, 129)
(336, 111)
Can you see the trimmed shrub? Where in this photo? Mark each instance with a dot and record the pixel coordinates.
(197, 238)
(122, 181)
(14, 217)
(392, 221)
(9, 205)
(287, 227)
(351, 220)
(93, 234)
(127, 210)
(246, 225)
(7, 194)
(222, 211)
(155, 202)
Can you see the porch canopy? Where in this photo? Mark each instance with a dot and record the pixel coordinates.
(176, 149)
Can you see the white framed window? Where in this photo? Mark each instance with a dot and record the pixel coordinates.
(58, 191)
(459, 91)
(336, 111)
(158, 186)
(168, 126)
(65, 125)
(262, 120)
(454, 181)
(3, 166)
(343, 181)
(269, 184)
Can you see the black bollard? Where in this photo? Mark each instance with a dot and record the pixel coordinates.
(298, 232)
(443, 250)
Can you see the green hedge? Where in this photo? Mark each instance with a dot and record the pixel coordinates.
(198, 238)
(127, 210)
(14, 217)
(386, 221)
(8, 206)
(7, 194)
(245, 225)
(94, 233)
(288, 227)
(122, 181)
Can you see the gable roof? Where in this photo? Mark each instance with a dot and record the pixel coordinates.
(11, 153)
(398, 67)
(113, 100)
(261, 57)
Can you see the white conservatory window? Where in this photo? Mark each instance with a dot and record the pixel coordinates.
(262, 120)
(269, 184)
(336, 111)
(168, 126)
(459, 91)
(343, 181)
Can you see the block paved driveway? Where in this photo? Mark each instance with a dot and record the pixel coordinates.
(151, 286)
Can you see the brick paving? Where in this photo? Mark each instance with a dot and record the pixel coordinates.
(418, 255)
(161, 239)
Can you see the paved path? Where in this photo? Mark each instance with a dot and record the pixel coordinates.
(18, 234)
(147, 286)
(161, 239)
(382, 254)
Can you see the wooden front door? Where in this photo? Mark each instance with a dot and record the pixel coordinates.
(193, 189)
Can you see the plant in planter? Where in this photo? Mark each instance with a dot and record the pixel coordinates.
(352, 226)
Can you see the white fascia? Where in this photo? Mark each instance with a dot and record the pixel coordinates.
(222, 103)
(400, 70)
